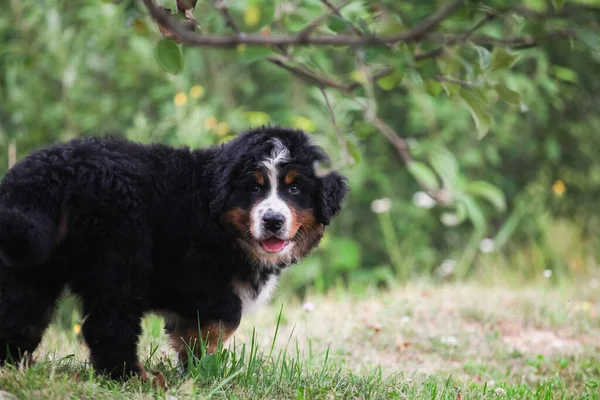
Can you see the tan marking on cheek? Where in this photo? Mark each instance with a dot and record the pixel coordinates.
(238, 218)
(302, 218)
(311, 231)
(260, 179)
(291, 175)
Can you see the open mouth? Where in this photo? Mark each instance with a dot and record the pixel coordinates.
(274, 245)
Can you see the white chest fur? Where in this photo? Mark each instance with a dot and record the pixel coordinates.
(251, 299)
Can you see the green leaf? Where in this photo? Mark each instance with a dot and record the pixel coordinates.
(589, 37)
(337, 24)
(484, 56)
(390, 81)
(564, 74)
(446, 166)
(474, 213)
(429, 68)
(168, 55)
(423, 174)
(433, 87)
(489, 192)
(251, 54)
(479, 112)
(558, 4)
(354, 152)
(507, 95)
(364, 130)
(502, 58)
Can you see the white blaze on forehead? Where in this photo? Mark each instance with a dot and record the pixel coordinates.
(272, 203)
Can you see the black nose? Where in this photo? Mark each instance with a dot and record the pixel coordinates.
(273, 221)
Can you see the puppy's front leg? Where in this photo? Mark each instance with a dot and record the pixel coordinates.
(187, 335)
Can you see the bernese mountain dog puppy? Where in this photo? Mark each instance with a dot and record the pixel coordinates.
(199, 236)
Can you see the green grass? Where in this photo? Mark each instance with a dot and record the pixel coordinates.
(445, 342)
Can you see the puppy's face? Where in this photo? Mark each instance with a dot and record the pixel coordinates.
(276, 205)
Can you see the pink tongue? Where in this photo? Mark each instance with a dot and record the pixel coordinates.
(273, 245)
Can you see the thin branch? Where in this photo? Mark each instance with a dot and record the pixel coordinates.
(463, 37)
(308, 29)
(336, 127)
(449, 79)
(336, 10)
(307, 75)
(413, 35)
(224, 10)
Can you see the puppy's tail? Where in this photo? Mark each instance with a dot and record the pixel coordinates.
(26, 238)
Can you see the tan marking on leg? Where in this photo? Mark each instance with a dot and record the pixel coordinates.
(185, 338)
(158, 379)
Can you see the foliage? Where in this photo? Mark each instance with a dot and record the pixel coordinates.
(482, 131)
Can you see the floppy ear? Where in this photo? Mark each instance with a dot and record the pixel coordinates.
(332, 190)
(220, 184)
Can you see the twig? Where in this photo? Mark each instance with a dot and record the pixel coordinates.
(307, 75)
(224, 10)
(449, 79)
(308, 29)
(336, 10)
(463, 37)
(336, 128)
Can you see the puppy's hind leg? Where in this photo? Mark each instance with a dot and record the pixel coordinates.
(27, 301)
(114, 302)
(111, 331)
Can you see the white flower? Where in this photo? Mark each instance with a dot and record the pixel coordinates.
(423, 200)
(500, 391)
(405, 319)
(308, 306)
(381, 205)
(548, 273)
(491, 383)
(449, 219)
(449, 340)
(446, 267)
(487, 245)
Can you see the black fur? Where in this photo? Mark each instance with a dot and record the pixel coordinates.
(131, 228)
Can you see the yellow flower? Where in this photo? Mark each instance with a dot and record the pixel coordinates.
(222, 128)
(210, 122)
(197, 91)
(559, 188)
(252, 16)
(77, 329)
(180, 99)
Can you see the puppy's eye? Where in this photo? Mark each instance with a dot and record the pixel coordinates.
(255, 189)
(294, 189)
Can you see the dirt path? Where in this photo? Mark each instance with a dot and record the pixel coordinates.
(466, 330)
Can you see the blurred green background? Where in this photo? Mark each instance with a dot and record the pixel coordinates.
(524, 195)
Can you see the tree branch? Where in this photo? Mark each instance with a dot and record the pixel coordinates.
(336, 127)
(413, 35)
